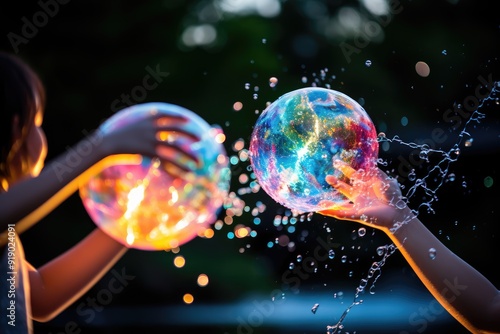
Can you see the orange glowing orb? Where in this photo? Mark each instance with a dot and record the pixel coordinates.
(147, 205)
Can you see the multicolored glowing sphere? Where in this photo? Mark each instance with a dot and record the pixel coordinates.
(297, 138)
(148, 205)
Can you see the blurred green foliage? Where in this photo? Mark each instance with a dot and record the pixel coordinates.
(89, 53)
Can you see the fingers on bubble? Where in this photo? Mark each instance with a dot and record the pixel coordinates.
(344, 189)
(164, 136)
(177, 156)
(347, 170)
(175, 137)
(326, 204)
(340, 186)
(174, 169)
(167, 132)
(331, 180)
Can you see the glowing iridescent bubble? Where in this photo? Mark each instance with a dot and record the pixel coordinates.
(152, 206)
(297, 138)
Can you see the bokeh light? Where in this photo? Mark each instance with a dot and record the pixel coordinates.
(188, 298)
(179, 261)
(422, 69)
(202, 280)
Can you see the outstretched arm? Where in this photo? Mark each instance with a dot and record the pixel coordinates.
(375, 200)
(29, 200)
(59, 283)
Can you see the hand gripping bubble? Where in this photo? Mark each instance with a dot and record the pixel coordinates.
(143, 203)
(296, 140)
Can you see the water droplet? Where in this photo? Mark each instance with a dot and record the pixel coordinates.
(422, 69)
(299, 258)
(404, 121)
(432, 253)
(344, 258)
(247, 86)
(488, 181)
(423, 154)
(362, 284)
(368, 63)
(400, 204)
(362, 231)
(314, 308)
(381, 250)
(455, 153)
(291, 266)
(277, 220)
(264, 41)
(273, 81)
(444, 53)
(331, 254)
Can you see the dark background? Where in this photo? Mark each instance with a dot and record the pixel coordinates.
(88, 53)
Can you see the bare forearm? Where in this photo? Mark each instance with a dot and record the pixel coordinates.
(30, 198)
(60, 282)
(467, 295)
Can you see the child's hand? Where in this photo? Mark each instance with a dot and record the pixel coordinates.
(158, 135)
(374, 198)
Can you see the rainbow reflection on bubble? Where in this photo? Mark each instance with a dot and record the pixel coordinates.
(152, 206)
(296, 139)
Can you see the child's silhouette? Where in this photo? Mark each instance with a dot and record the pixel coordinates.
(29, 191)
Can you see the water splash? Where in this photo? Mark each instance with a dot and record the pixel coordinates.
(439, 174)
(371, 278)
(430, 184)
(314, 308)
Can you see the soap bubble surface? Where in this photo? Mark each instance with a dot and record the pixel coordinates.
(149, 205)
(297, 138)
